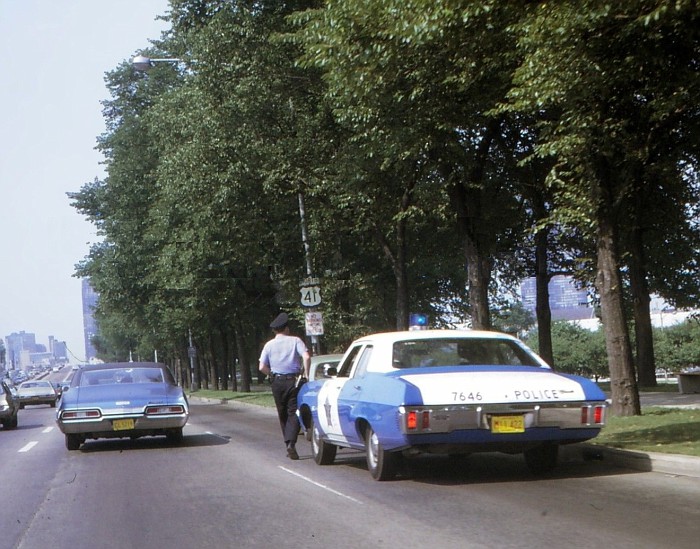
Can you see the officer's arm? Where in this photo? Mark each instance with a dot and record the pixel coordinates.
(306, 358)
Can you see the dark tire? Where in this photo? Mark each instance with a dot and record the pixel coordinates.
(73, 442)
(10, 422)
(21, 406)
(382, 465)
(542, 459)
(175, 436)
(323, 452)
(53, 404)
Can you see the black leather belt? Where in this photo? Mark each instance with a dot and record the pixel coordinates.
(284, 376)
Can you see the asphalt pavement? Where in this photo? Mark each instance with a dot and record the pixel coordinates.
(673, 464)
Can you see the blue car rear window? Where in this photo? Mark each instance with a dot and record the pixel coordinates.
(123, 375)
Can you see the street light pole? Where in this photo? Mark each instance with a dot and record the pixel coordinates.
(305, 236)
(143, 63)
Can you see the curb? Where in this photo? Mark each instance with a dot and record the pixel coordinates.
(672, 464)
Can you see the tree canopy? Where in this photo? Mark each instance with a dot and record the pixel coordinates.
(441, 150)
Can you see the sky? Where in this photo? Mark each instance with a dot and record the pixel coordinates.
(53, 58)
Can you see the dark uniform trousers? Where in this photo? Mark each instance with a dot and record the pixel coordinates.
(285, 392)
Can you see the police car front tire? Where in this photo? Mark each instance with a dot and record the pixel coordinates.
(323, 452)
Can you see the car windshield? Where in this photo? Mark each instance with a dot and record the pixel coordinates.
(121, 375)
(460, 351)
(34, 384)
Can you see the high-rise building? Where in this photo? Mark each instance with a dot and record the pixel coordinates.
(19, 347)
(567, 300)
(90, 329)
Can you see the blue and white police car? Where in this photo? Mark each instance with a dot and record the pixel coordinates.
(400, 394)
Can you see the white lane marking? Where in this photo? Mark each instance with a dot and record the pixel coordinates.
(29, 446)
(47, 430)
(307, 479)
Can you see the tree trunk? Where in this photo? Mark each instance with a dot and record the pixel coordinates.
(479, 276)
(623, 384)
(478, 266)
(242, 358)
(646, 364)
(542, 309)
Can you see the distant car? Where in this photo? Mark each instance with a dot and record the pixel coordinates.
(37, 392)
(321, 366)
(450, 392)
(122, 400)
(9, 405)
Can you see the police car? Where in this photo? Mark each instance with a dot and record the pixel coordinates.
(400, 394)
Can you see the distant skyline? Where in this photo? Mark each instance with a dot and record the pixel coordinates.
(53, 58)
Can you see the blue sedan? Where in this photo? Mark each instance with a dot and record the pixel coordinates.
(401, 394)
(122, 400)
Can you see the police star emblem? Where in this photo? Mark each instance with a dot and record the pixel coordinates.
(327, 407)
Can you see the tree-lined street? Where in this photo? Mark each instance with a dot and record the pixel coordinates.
(414, 156)
(230, 481)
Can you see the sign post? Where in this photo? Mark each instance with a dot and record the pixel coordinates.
(310, 289)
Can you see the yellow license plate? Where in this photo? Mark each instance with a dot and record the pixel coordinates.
(122, 424)
(507, 424)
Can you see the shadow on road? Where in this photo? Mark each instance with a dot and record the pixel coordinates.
(152, 443)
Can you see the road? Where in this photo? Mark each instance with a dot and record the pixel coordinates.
(231, 485)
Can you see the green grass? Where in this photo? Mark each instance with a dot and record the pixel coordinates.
(259, 396)
(658, 429)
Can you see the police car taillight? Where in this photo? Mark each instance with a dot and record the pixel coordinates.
(417, 419)
(593, 415)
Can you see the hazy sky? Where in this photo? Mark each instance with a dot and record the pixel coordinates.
(53, 58)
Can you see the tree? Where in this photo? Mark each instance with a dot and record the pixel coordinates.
(582, 62)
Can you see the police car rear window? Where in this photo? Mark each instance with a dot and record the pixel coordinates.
(421, 353)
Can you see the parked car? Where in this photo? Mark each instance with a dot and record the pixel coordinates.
(37, 391)
(401, 394)
(122, 400)
(323, 366)
(9, 405)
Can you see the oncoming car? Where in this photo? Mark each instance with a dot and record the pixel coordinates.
(122, 400)
(402, 394)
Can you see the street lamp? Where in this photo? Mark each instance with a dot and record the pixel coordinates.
(143, 63)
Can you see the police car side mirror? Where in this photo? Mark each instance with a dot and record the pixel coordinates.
(331, 371)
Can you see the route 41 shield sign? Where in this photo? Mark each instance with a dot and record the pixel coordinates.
(310, 296)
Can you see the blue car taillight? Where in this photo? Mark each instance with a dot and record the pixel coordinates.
(163, 409)
(80, 414)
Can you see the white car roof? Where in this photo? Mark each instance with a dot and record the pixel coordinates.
(382, 343)
(390, 337)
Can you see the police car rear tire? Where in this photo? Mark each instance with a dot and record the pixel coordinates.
(382, 465)
(542, 459)
(323, 452)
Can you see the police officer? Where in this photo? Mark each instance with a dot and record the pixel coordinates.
(283, 357)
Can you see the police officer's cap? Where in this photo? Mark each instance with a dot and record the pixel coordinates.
(280, 322)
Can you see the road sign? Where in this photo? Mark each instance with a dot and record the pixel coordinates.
(310, 296)
(314, 324)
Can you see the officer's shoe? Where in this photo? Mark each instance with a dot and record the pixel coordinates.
(292, 452)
